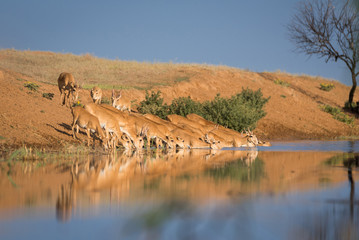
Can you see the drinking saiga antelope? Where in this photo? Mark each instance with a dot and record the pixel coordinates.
(87, 121)
(67, 87)
(248, 139)
(169, 126)
(134, 133)
(109, 122)
(137, 127)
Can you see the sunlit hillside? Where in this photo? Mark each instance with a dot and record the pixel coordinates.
(294, 110)
(90, 70)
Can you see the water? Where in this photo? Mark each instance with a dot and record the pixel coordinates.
(292, 190)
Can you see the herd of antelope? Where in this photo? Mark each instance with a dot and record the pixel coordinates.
(116, 125)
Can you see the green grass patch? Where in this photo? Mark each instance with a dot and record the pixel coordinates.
(49, 96)
(326, 86)
(142, 88)
(350, 106)
(106, 100)
(32, 86)
(181, 79)
(337, 114)
(29, 154)
(281, 82)
(77, 104)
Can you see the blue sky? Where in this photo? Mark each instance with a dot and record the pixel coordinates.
(238, 33)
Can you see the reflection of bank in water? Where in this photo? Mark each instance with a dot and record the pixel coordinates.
(203, 173)
(113, 170)
(247, 169)
(197, 176)
(117, 178)
(337, 218)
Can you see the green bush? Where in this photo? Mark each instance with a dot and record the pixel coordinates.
(338, 114)
(239, 112)
(349, 106)
(184, 106)
(153, 104)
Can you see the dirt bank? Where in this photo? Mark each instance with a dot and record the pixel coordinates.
(26, 117)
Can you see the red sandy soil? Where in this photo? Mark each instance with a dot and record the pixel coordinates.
(293, 112)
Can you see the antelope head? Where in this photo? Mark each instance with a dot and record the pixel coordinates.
(252, 140)
(75, 92)
(126, 141)
(115, 98)
(180, 142)
(170, 142)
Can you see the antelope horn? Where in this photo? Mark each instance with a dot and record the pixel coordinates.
(249, 131)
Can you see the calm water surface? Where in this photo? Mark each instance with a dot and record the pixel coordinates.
(292, 190)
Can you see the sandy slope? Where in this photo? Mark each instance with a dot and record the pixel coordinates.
(292, 111)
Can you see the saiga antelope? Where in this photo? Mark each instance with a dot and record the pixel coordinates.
(87, 121)
(107, 121)
(96, 95)
(67, 87)
(120, 103)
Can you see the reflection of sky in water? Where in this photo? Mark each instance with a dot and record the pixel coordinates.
(322, 146)
(288, 216)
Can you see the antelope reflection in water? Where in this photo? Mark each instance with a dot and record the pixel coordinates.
(106, 172)
(110, 172)
(64, 204)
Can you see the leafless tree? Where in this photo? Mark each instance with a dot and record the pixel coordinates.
(329, 31)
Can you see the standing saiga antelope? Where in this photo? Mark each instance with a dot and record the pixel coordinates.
(67, 87)
(96, 95)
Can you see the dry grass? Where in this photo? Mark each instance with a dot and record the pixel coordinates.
(90, 71)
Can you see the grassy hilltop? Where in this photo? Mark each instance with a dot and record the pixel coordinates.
(90, 70)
